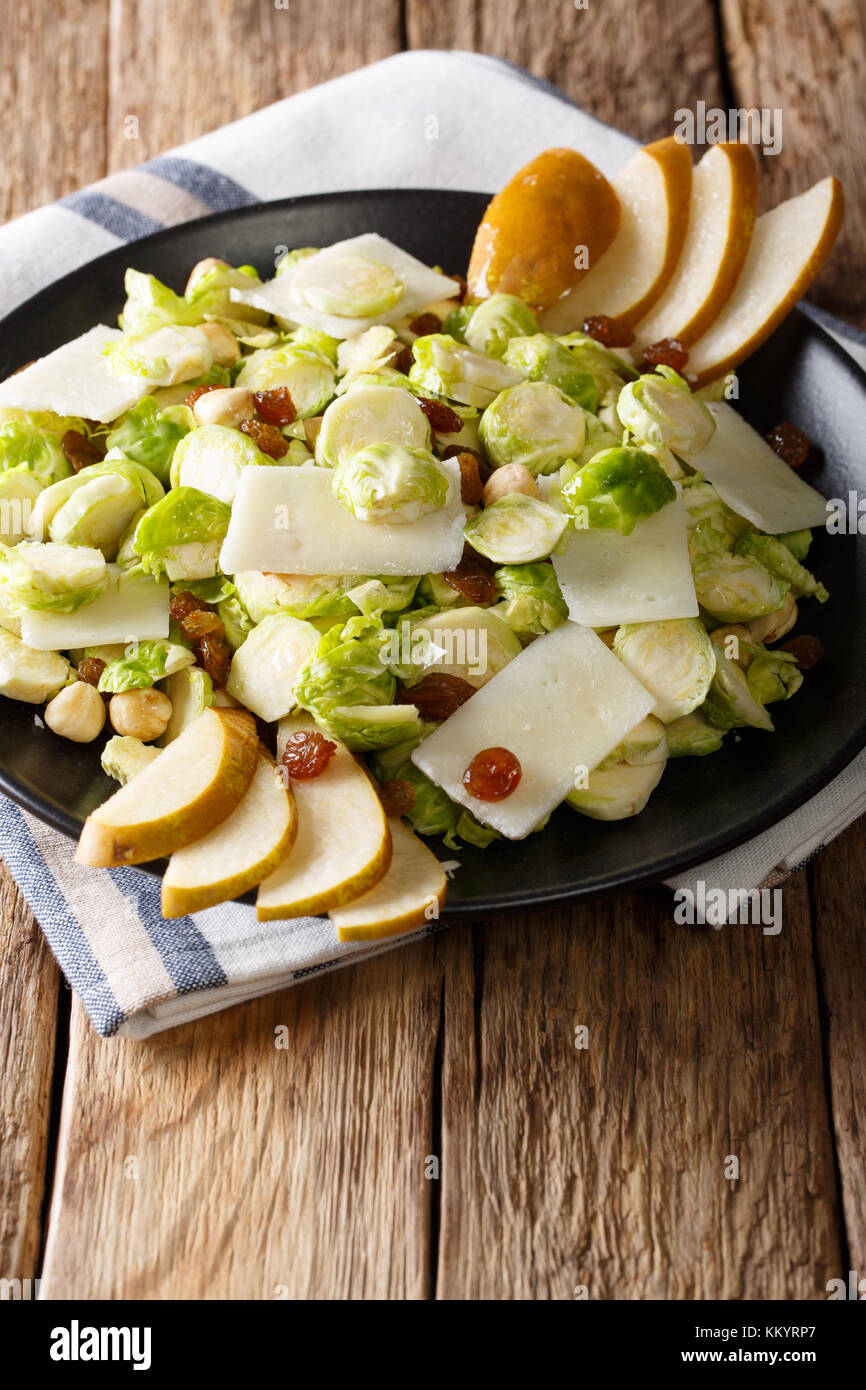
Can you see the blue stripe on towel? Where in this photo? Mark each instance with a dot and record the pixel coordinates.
(216, 190)
(61, 927)
(185, 953)
(112, 215)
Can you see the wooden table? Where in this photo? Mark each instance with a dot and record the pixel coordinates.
(209, 1163)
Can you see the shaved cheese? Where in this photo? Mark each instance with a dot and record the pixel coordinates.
(753, 480)
(283, 295)
(132, 608)
(607, 578)
(288, 521)
(560, 707)
(76, 379)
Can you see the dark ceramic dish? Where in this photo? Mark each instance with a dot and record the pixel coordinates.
(703, 806)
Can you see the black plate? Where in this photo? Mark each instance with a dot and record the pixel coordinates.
(703, 806)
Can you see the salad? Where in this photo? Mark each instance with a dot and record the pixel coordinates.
(359, 554)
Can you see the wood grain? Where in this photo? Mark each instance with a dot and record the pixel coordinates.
(604, 1168)
(631, 71)
(29, 986)
(53, 84)
(838, 876)
(808, 59)
(208, 1163)
(184, 69)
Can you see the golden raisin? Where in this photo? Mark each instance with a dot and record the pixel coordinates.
(806, 651)
(473, 580)
(215, 658)
(424, 324)
(493, 774)
(397, 797)
(276, 407)
(307, 754)
(79, 450)
(791, 444)
(184, 603)
(471, 486)
(437, 695)
(203, 623)
(607, 331)
(404, 360)
(667, 352)
(90, 669)
(267, 437)
(442, 418)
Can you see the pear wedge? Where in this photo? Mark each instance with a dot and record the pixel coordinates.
(411, 893)
(343, 845)
(722, 211)
(237, 854)
(530, 236)
(192, 786)
(789, 246)
(654, 191)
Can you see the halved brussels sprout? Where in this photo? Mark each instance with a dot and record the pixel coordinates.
(434, 589)
(95, 506)
(30, 676)
(299, 595)
(645, 743)
(150, 304)
(489, 326)
(618, 488)
(616, 793)
(316, 341)
(123, 757)
(164, 356)
(391, 482)
(532, 599)
(308, 375)
(607, 368)
(53, 578)
(143, 664)
(348, 286)
(265, 668)
(659, 408)
(238, 623)
(383, 594)
(191, 693)
(370, 415)
(730, 704)
(472, 643)
(774, 555)
(693, 736)
(798, 542)
(673, 659)
(705, 508)
(346, 669)
(181, 536)
(516, 530)
(365, 728)
(734, 588)
(444, 367)
(19, 492)
(149, 436)
(368, 353)
(597, 439)
(211, 457)
(27, 445)
(208, 292)
(541, 358)
(456, 324)
(773, 676)
(535, 424)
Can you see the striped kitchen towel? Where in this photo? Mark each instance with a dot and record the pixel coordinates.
(424, 119)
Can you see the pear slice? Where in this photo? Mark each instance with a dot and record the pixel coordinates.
(192, 786)
(790, 245)
(532, 232)
(411, 893)
(654, 191)
(343, 845)
(722, 212)
(237, 854)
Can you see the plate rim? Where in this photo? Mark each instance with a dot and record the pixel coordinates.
(516, 900)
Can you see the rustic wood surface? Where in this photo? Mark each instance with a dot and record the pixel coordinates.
(431, 1128)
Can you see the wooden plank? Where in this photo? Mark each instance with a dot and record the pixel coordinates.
(616, 64)
(29, 988)
(838, 876)
(182, 70)
(604, 1168)
(209, 1163)
(808, 59)
(52, 100)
